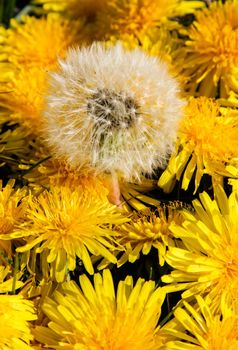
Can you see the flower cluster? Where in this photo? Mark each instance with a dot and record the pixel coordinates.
(119, 175)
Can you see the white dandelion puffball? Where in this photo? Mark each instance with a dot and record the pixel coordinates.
(112, 110)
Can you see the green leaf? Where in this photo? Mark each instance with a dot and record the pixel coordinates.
(7, 8)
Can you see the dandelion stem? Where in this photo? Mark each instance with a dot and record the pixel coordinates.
(16, 268)
(1, 11)
(170, 314)
(36, 165)
(114, 190)
(25, 11)
(9, 11)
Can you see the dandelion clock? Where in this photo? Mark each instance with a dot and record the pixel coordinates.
(113, 111)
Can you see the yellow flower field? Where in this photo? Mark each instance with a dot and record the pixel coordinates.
(119, 175)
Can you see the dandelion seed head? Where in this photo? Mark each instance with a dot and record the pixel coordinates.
(112, 110)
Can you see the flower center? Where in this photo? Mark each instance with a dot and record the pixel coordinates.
(112, 110)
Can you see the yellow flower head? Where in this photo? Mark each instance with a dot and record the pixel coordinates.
(134, 195)
(156, 41)
(8, 282)
(95, 317)
(99, 116)
(119, 17)
(73, 8)
(162, 43)
(12, 210)
(23, 95)
(15, 315)
(234, 184)
(211, 50)
(208, 265)
(13, 144)
(196, 327)
(147, 230)
(201, 148)
(64, 224)
(28, 50)
(57, 172)
(38, 42)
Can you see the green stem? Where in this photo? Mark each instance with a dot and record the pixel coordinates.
(8, 11)
(16, 269)
(35, 165)
(1, 11)
(25, 11)
(166, 319)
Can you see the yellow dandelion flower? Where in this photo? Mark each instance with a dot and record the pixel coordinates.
(12, 210)
(38, 42)
(7, 281)
(72, 8)
(37, 290)
(46, 172)
(15, 316)
(208, 264)
(119, 17)
(64, 224)
(23, 96)
(161, 42)
(98, 116)
(28, 50)
(97, 317)
(201, 148)
(157, 41)
(13, 145)
(196, 327)
(57, 172)
(134, 195)
(211, 51)
(234, 184)
(146, 230)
